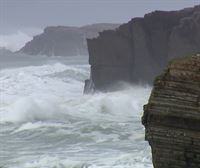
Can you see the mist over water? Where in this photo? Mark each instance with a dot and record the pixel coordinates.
(16, 39)
(47, 122)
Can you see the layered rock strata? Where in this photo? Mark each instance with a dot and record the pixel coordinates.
(172, 115)
(138, 50)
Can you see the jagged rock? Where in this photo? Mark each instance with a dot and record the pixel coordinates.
(138, 50)
(63, 40)
(88, 87)
(172, 115)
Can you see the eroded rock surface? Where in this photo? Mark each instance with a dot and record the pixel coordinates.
(139, 50)
(172, 115)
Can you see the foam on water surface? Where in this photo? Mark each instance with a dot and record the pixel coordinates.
(47, 122)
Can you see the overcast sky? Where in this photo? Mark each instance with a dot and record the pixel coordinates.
(15, 14)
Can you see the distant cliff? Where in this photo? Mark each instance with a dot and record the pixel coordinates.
(64, 41)
(172, 115)
(4, 51)
(139, 50)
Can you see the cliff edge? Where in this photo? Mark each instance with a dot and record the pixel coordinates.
(137, 51)
(64, 40)
(172, 115)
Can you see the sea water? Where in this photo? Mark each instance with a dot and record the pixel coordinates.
(47, 122)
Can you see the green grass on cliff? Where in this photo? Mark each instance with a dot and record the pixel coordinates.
(159, 79)
(184, 58)
(178, 60)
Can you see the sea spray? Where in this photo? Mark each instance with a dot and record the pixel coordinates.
(47, 122)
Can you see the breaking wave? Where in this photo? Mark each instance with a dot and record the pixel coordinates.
(46, 121)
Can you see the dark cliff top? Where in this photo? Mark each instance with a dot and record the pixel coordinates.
(59, 28)
(93, 27)
(155, 17)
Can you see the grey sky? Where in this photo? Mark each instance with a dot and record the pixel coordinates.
(16, 14)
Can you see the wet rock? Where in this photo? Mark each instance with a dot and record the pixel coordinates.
(88, 87)
(138, 51)
(172, 115)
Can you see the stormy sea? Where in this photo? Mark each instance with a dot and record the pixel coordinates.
(47, 122)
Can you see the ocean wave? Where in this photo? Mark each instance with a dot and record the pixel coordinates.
(47, 122)
(122, 161)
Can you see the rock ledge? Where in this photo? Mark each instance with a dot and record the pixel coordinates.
(172, 115)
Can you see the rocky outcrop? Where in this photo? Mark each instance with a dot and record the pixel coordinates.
(172, 115)
(63, 40)
(139, 50)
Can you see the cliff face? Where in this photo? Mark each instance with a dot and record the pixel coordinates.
(63, 40)
(139, 50)
(172, 115)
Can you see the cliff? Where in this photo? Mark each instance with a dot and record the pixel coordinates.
(4, 51)
(63, 40)
(138, 50)
(172, 115)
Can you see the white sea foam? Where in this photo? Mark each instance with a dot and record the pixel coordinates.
(120, 162)
(47, 122)
(39, 93)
